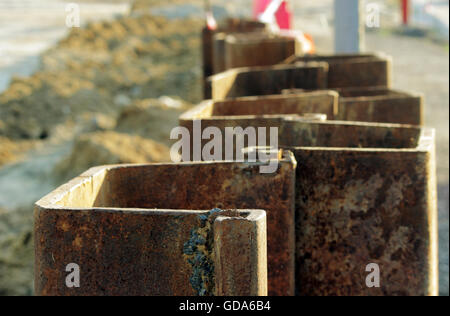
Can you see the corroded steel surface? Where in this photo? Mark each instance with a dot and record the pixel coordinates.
(207, 52)
(261, 112)
(357, 205)
(365, 193)
(339, 134)
(137, 252)
(325, 102)
(212, 55)
(363, 70)
(381, 105)
(258, 49)
(109, 241)
(377, 105)
(226, 185)
(267, 80)
(234, 238)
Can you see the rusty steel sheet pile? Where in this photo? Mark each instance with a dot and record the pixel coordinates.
(378, 105)
(353, 70)
(128, 224)
(266, 80)
(213, 41)
(354, 187)
(258, 49)
(368, 195)
(378, 180)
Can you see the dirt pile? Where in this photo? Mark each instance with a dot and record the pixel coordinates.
(17, 254)
(142, 5)
(152, 118)
(137, 57)
(11, 151)
(104, 148)
(140, 134)
(6, 151)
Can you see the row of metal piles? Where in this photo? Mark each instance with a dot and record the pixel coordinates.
(355, 186)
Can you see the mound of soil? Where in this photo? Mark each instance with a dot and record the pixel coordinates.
(105, 148)
(17, 252)
(139, 57)
(152, 118)
(11, 151)
(6, 151)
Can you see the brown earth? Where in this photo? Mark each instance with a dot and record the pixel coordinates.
(17, 252)
(7, 149)
(11, 151)
(105, 148)
(151, 118)
(139, 57)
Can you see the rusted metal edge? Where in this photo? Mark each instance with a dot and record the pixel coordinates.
(415, 146)
(252, 189)
(269, 80)
(354, 70)
(407, 253)
(112, 280)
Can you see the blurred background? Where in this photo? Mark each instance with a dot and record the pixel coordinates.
(111, 91)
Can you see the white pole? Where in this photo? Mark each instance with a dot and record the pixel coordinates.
(349, 26)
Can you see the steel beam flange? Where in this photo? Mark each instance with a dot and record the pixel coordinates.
(365, 197)
(378, 105)
(267, 80)
(354, 70)
(133, 230)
